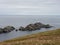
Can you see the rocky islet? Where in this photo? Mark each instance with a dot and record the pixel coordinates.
(29, 27)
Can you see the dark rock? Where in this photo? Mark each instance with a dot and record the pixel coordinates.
(47, 26)
(16, 30)
(38, 25)
(1, 30)
(35, 26)
(30, 27)
(22, 28)
(8, 29)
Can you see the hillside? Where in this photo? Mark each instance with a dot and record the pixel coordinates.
(42, 38)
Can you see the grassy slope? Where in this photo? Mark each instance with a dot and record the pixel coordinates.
(43, 38)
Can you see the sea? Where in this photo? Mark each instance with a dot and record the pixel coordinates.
(24, 20)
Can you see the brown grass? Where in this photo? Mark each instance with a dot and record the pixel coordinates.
(43, 38)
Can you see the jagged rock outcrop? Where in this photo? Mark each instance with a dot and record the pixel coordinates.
(6, 29)
(35, 26)
(30, 27)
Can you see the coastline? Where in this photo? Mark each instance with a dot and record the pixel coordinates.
(45, 38)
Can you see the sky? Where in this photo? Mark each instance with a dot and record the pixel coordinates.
(29, 7)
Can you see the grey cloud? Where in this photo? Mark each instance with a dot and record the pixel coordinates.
(29, 7)
(29, 2)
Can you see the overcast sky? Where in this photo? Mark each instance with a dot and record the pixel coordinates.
(29, 7)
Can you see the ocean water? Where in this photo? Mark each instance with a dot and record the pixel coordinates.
(24, 20)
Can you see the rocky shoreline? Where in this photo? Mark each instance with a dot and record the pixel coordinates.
(30, 27)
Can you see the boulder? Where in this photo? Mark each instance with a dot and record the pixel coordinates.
(8, 29)
(22, 28)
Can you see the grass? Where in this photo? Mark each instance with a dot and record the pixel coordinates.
(43, 38)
